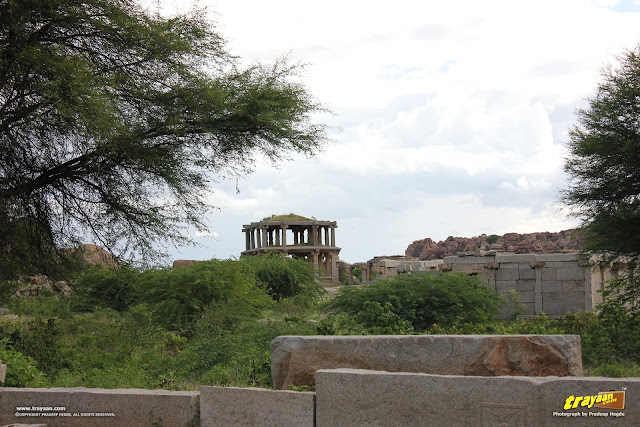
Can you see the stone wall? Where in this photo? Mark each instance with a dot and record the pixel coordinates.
(344, 397)
(551, 283)
(81, 407)
(351, 397)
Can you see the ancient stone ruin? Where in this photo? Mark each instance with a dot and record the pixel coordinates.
(300, 237)
(295, 359)
(553, 284)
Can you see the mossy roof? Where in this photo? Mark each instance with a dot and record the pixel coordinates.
(286, 217)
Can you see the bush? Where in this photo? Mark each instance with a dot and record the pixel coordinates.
(40, 339)
(21, 369)
(492, 238)
(177, 297)
(284, 277)
(101, 287)
(420, 299)
(620, 315)
(373, 319)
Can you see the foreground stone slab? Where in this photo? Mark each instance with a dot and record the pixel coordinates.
(295, 359)
(230, 406)
(351, 397)
(94, 407)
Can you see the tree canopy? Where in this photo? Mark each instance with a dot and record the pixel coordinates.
(604, 161)
(114, 121)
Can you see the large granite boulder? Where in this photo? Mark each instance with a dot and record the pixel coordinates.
(295, 359)
(567, 240)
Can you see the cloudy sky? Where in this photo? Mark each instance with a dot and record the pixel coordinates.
(450, 118)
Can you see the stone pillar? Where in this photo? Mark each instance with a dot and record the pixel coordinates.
(326, 236)
(334, 268)
(264, 236)
(350, 274)
(247, 239)
(333, 235)
(588, 291)
(314, 235)
(253, 237)
(284, 235)
(295, 235)
(538, 290)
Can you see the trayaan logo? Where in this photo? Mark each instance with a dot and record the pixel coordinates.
(603, 400)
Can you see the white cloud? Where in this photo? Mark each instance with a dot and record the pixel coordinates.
(207, 234)
(453, 114)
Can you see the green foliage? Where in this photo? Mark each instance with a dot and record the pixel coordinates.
(604, 161)
(113, 120)
(620, 315)
(39, 339)
(21, 369)
(604, 191)
(101, 287)
(343, 272)
(421, 299)
(512, 304)
(373, 319)
(492, 238)
(176, 297)
(7, 288)
(284, 277)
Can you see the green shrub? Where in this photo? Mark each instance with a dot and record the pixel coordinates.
(21, 369)
(177, 297)
(240, 358)
(492, 238)
(620, 315)
(373, 319)
(284, 277)
(421, 299)
(101, 287)
(40, 339)
(7, 288)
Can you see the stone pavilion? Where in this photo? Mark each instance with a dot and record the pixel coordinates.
(299, 237)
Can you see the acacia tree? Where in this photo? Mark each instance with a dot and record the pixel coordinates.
(604, 171)
(114, 120)
(604, 161)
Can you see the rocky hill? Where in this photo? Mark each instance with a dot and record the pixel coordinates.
(567, 240)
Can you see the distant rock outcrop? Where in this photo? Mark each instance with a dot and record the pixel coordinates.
(179, 263)
(562, 241)
(94, 254)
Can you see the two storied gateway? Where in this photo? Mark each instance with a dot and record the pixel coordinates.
(299, 237)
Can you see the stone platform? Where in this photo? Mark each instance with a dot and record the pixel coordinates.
(295, 359)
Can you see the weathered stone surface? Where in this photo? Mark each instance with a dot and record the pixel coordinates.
(123, 407)
(3, 372)
(230, 406)
(521, 243)
(351, 397)
(94, 254)
(507, 273)
(184, 263)
(570, 273)
(25, 425)
(295, 359)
